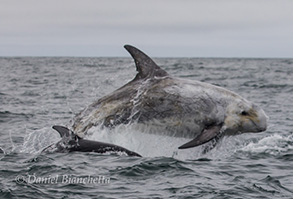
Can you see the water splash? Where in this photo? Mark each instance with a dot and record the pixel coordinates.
(36, 140)
(154, 145)
(160, 145)
(273, 144)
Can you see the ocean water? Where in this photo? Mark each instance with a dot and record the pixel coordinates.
(37, 93)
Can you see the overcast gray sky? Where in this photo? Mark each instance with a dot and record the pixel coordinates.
(186, 28)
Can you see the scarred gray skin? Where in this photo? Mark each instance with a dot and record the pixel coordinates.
(172, 106)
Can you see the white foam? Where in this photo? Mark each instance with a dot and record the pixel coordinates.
(272, 144)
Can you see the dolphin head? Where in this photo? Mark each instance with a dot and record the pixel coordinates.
(243, 116)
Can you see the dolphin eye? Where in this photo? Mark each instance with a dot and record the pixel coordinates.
(244, 113)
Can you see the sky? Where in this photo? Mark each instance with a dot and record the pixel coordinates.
(161, 28)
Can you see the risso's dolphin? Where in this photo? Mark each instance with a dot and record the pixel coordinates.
(70, 142)
(160, 103)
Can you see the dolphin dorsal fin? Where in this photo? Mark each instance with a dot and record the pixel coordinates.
(63, 131)
(145, 66)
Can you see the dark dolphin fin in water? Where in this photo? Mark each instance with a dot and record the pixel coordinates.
(1, 150)
(71, 142)
(145, 66)
(63, 131)
(207, 135)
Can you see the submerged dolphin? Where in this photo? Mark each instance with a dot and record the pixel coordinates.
(71, 142)
(172, 106)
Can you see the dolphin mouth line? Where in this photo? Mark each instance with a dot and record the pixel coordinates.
(259, 129)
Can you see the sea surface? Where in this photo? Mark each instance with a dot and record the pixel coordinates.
(39, 92)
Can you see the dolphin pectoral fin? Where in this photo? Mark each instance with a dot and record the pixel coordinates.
(206, 135)
(145, 66)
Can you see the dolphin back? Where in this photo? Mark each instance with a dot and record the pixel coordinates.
(101, 147)
(71, 142)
